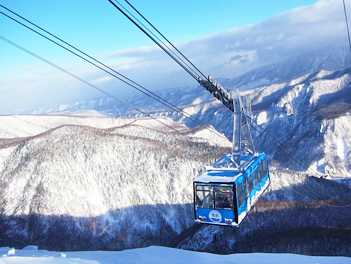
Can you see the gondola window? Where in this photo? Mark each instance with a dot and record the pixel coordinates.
(224, 197)
(246, 188)
(239, 191)
(263, 168)
(204, 196)
(256, 177)
(251, 183)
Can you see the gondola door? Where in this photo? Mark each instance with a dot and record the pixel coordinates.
(247, 195)
(243, 197)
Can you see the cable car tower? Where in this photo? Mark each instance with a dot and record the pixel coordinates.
(243, 148)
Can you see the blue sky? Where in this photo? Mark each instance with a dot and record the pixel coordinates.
(79, 21)
(199, 28)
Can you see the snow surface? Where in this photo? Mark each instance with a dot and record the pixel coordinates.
(155, 255)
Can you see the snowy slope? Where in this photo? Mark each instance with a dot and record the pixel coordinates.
(120, 187)
(156, 255)
(311, 117)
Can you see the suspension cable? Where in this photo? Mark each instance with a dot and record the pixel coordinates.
(164, 38)
(74, 53)
(278, 144)
(80, 51)
(156, 37)
(154, 40)
(347, 26)
(126, 81)
(81, 80)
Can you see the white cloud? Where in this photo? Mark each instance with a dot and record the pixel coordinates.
(101, 80)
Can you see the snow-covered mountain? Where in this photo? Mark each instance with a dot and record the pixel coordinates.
(178, 96)
(121, 184)
(311, 117)
(329, 59)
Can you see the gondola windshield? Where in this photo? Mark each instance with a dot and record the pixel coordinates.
(217, 197)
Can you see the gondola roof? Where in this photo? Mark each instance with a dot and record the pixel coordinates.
(223, 171)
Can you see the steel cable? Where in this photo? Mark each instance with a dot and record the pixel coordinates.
(180, 60)
(126, 81)
(153, 39)
(165, 38)
(80, 79)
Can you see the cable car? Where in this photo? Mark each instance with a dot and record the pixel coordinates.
(230, 187)
(224, 196)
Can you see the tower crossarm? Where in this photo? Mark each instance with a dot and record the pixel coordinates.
(217, 91)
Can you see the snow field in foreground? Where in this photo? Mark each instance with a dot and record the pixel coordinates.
(155, 255)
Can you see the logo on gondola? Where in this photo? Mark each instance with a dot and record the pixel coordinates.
(215, 216)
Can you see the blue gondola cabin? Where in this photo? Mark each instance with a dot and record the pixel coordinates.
(224, 196)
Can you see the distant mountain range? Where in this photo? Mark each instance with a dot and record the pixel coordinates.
(331, 59)
(122, 183)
